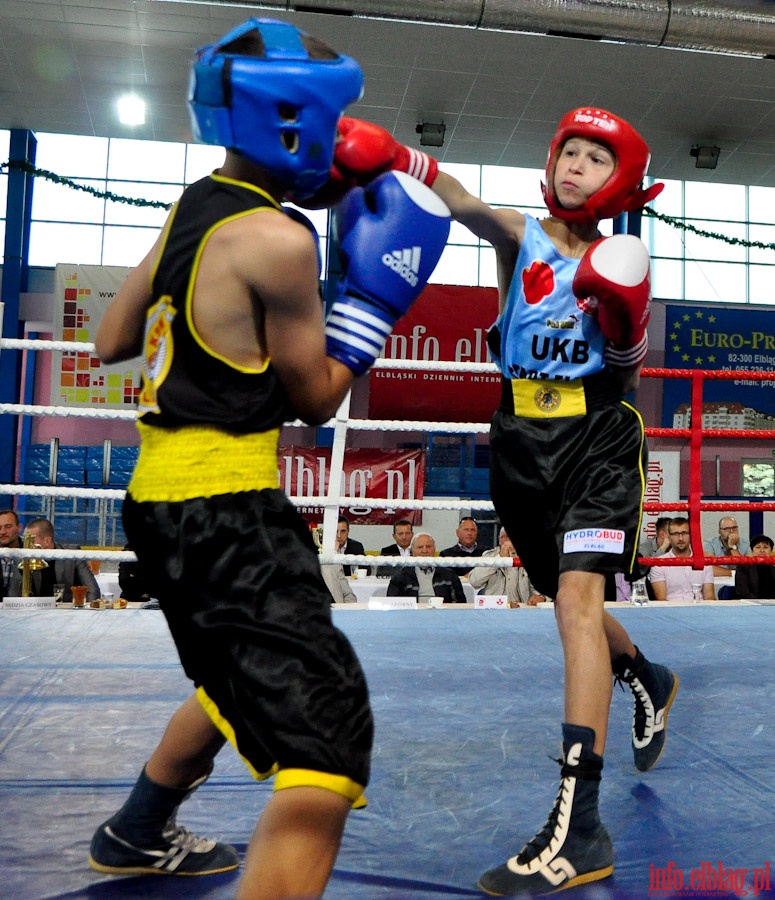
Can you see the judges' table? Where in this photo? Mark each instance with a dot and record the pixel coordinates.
(364, 588)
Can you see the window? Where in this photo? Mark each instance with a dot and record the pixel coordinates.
(758, 478)
(73, 226)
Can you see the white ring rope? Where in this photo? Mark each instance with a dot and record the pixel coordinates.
(45, 490)
(360, 561)
(37, 344)
(87, 412)
(67, 412)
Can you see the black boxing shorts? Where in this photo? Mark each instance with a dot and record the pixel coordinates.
(569, 489)
(238, 579)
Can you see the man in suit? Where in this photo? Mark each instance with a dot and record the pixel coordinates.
(10, 531)
(345, 544)
(426, 581)
(68, 572)
(402, 535)
(467, 533)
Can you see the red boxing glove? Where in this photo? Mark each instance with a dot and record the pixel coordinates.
(362, 152)
(365, 150)
(616, 272)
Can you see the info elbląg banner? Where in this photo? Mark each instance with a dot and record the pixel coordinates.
(80, 378)
(732, 339)
(447, 323)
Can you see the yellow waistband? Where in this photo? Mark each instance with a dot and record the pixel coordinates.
(535, 399)
(200, 461)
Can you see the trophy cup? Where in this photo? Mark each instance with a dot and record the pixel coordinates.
(28, 566)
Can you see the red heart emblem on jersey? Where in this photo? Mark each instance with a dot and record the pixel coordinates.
(537, 282)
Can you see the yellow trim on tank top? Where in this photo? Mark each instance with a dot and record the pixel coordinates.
(642, 478)
(165, 233)
(536, 398)
(216, 176)
(178, 464)
(211, 708)
(247, 370)
(338, 784)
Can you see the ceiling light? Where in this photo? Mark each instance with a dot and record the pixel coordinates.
(431, 134)
(706, 157)
(131, 110)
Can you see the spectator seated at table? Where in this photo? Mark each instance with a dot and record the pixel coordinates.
(402, 537)
(67, 572)
(345, 544)
(660, 543)
(10, 538)
(338, 584)
(756, 582)
(675, 582)
(423, 582)
(467, 533)
(726, 543)
(513, 582)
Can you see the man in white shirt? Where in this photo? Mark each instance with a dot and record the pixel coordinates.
(675, 582)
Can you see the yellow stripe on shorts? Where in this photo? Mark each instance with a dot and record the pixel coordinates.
(228, 732)
(338, 784)
(178, 464)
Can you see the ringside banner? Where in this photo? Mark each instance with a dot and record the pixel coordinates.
(716, 337)
(446, 323)
(80, 378)
(390, 474)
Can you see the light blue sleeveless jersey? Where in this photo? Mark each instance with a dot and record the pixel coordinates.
(544, 332)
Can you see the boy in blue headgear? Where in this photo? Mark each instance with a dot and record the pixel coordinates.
(226, 312)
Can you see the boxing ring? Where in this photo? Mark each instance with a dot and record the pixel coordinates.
(467, 705)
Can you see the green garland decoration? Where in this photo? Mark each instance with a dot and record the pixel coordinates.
(22, 165)
(686, 226)
(29, 169)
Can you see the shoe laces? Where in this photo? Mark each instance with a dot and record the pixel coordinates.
(639, 715)
(186, 840)
(536, 845)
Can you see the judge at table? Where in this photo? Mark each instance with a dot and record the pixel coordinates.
(423, 582)
(67, 572)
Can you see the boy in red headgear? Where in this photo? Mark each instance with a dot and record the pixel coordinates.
(570, 339)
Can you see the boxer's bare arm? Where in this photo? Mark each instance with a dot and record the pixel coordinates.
(503, 228)
(120, 333)
(284, 281)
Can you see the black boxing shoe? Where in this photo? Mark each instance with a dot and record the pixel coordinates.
(653, 688)
(573, 847)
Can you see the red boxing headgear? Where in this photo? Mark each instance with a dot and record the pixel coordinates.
(622, 192)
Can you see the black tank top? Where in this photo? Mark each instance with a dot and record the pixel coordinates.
(184, 382)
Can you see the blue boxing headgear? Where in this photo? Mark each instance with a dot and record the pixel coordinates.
(260, 92)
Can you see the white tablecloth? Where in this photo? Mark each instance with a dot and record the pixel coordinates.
(364, 588)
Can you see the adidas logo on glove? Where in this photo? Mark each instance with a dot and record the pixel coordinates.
(405, 263)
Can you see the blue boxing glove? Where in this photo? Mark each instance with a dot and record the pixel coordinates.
(391, 235)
